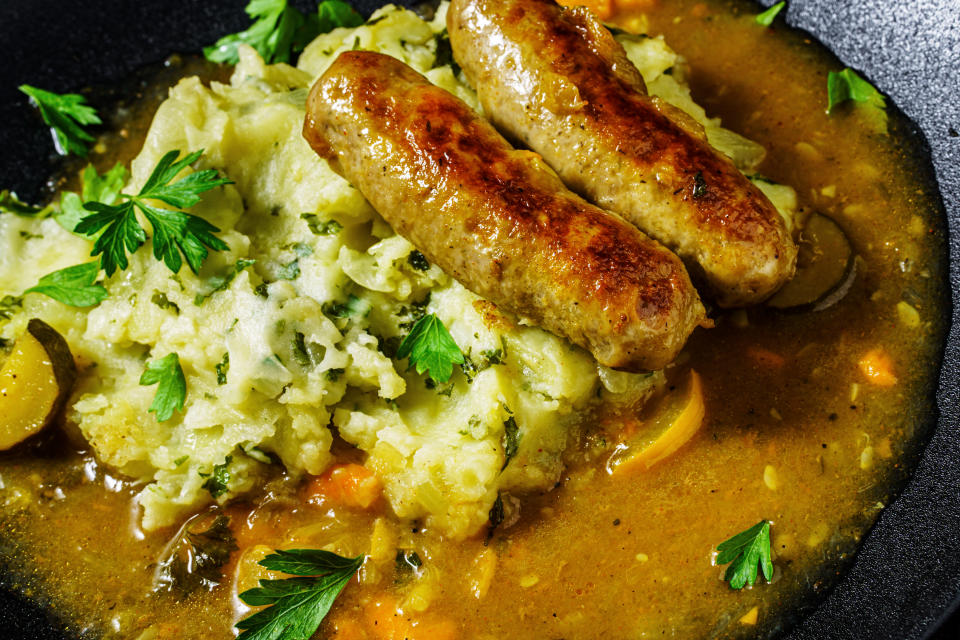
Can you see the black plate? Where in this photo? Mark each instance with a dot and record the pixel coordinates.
(906, 576)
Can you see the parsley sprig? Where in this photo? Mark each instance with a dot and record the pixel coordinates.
(511, 440)
(174, 232)
(96, 188)
(10, 203)
(332, 14)
(72, 286)
(218, 482)
(745, 552)
(297, 605)
(279, 30)
(431, 348)
(167, 374)
(66, 114)
(766, 18)
(846, 85)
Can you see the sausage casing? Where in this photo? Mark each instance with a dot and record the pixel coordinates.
(556, 80)
(497, 219)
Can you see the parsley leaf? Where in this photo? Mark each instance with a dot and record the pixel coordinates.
(766, 18)
(280, 30)
(496, 516)
(321, 228)
(431, 348)
(220, 283)
(223, 368)
(185, 192)
(301, 353)
(847, 85)
(64, 113)
(354, 307)
(298, 605)
(336, 13)
(160, 299)
(745, 551)
(289, 271)
(123, 233)
(273, 28)
(511, 441)
(174, 232)
(8, 305)
(217, 483)
(172, 388)
(96, 188)
(10, 203)
(72, 286)
(103, 188)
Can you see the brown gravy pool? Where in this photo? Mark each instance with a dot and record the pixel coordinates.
(601, 556)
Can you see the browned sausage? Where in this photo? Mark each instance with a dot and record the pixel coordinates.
(497, 219)
(556, 80)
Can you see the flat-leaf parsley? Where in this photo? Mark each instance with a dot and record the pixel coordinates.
(297, 605)
(745, 551)
(847, 85)
(279, 30)
(766, 18)
(174, 232)
(171, 385)
(431, 348)
(72, 286)
(96, 188)
(10, 203)
(64, 113)
(336, 13)
(218, 482)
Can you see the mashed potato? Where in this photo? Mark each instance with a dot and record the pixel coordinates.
(292, 331)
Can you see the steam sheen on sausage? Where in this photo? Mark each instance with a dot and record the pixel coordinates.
(497, 219)
(556, 80)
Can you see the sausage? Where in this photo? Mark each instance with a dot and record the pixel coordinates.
(496, 219)
(555, 80)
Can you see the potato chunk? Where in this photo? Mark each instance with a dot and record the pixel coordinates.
(34, 383)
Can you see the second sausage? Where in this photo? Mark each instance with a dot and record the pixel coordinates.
(557, 80)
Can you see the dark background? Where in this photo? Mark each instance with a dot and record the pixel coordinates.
(906, 576)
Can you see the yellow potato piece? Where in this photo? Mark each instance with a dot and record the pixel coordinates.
(676, 419)
(34, 383)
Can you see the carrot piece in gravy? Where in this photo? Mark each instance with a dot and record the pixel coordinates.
(256, 527)
(384, 621)
(877, 367)
(351, 485)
